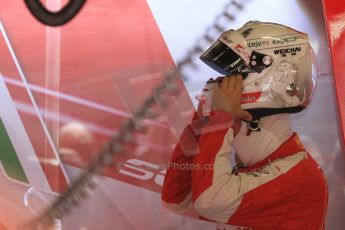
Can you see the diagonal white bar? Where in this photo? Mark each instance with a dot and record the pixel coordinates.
(20, 140)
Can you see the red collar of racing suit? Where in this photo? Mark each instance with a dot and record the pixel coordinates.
(289, 147)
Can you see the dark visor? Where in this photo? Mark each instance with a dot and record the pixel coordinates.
(222, 59)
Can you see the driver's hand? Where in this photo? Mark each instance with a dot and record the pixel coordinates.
(227, 97)
(199, 111)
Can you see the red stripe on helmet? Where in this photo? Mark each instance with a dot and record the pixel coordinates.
(250, 97)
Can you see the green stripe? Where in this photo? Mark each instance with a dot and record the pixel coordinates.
(9, 158)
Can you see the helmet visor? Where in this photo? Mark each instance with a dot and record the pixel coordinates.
(222, 59)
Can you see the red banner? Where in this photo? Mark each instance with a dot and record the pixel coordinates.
(335, 21)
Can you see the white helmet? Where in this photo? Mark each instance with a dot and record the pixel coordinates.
(277, 63)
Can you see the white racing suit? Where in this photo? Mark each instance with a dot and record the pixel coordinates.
(285, 190)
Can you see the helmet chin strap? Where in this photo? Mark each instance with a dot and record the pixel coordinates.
(253, 126)
(257, 114)
(264, 112)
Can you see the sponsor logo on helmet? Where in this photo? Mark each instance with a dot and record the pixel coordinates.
(239, 48)
(283, 40)
(250, 97)
(258, 43)
(291, 51)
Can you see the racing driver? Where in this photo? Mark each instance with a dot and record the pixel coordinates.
(270, 72)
